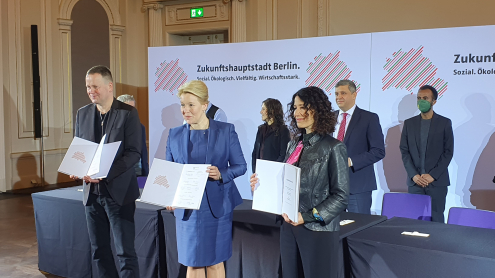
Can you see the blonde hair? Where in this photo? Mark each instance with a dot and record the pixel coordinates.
(197, 88)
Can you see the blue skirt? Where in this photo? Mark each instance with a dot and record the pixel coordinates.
(202, 239)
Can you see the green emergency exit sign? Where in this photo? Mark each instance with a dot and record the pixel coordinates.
(196, 12)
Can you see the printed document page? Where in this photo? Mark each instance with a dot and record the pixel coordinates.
(191, 186)
(174, 184)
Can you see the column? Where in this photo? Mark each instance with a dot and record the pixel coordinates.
(238, 33)
(64, 27)
(116, 32)
(155, 23)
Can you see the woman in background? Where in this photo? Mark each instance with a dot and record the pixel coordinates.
(324, 188)
(204, 236)
(273, 135)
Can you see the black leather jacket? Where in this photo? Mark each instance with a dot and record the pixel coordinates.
(324, 179)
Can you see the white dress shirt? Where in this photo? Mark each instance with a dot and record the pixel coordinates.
(340, 118)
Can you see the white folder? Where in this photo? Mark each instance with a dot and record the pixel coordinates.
(277, 190)
(86, 158)
(176, 185)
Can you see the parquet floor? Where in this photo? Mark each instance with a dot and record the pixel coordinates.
(18, 245)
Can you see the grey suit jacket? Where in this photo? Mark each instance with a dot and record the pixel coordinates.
(123, 125)
(439, 149)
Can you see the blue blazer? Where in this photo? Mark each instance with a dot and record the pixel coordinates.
(224, 151)
(365, 146)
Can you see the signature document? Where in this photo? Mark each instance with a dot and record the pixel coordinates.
(86, 158)
(277, 190)
(176, 185)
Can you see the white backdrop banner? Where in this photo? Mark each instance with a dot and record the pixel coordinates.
(240, 76)
(459, 63)
(388, 69)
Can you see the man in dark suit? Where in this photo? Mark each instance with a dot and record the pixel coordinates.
(110, 202)
(427, 147)
(362, 134)
(142, 168)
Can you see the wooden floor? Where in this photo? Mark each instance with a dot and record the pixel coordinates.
(18, 245)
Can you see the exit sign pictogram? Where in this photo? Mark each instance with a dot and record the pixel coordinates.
(196, 12)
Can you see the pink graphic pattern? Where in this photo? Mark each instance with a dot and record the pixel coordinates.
(161, 180)
(408, 70)
(169, 76)
(326, 71)
(79, 156)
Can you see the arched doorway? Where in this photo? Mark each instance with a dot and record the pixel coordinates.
(90, 46)
(115, 31)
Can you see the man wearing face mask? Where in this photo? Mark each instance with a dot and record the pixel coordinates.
(427, 147)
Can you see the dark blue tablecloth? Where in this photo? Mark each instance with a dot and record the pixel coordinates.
(450, 250)
(64, 247)
(256, 243)
(63, 241)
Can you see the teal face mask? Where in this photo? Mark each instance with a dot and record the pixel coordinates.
(424, 106)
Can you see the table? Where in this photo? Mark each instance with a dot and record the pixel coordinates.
(449, 251)
(63, 242)
(64, 248)
(256, 244)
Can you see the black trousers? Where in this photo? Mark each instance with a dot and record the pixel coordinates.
(315, 253)
(105, 216)
(437, 194)
(360, 203)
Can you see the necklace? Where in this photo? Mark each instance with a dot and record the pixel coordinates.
(102, 118)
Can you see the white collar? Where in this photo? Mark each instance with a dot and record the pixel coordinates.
(349, 112)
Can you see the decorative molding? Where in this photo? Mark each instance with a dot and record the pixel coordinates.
(327, 18)
(223, 10)
(21, 155)
(116, 32)
(45, 40)
(65, 22)
(111, 7)
(323, 20)
(299, 18)
(64, 27)
(154, 6)
(155, 35)
(3, 121)
(238, 21)
(213, 11)
(274, 19)
(21, 70)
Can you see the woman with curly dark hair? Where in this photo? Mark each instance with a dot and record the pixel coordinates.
(324, 188)
(273, 135)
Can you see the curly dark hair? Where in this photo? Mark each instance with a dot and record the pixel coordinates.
(275, 112)
(317, 101)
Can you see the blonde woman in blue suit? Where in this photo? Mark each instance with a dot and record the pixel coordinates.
(204, 236)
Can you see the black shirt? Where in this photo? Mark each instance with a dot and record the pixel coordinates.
(100, 126)
(425, 130)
